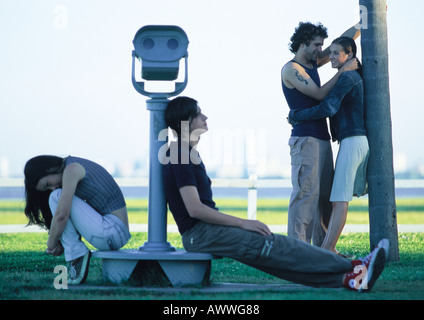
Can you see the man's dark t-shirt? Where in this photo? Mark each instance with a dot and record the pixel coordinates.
(297, 100)
(181, 174)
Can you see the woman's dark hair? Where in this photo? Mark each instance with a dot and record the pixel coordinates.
(37, 207)
(349, 46)
(180, 109)
(305, 33)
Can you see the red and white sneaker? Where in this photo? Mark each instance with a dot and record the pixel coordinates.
(367, 270)
(384, 243)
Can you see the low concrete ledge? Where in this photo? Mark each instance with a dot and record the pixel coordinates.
(130, 254)
(176, 268)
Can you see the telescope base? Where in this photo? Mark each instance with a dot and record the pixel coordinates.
(140, 268)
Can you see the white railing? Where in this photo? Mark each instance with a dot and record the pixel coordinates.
(252, 184)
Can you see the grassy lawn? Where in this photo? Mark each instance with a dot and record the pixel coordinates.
(26, 272)
(269, 211)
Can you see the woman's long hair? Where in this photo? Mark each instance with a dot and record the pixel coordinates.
(349, 46)
(37, 207)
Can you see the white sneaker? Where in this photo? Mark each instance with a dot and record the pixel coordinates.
(385, 244)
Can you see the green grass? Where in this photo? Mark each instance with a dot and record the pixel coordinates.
(26, 272)
(269, 211)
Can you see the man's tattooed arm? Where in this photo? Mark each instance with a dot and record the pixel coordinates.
(300, 78)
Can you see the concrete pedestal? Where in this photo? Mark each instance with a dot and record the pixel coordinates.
(177, 268)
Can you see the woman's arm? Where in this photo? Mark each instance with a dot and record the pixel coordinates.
(328, 107)
(198, 210)
(72, 174)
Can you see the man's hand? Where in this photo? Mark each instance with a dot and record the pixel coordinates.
(256, 226)
(350, 65)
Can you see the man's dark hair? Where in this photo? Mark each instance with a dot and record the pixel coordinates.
(180, 109)
(304, 33)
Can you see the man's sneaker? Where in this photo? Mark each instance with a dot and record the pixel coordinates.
(366, 273)
(78, 269)
(384, 243)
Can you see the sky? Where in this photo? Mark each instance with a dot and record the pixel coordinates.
(65, 77)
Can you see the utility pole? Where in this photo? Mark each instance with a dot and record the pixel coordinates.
(381, 182)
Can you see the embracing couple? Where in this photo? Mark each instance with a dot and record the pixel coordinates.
(311, 217)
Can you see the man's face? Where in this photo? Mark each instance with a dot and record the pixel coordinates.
(315, 47)
(198, 123)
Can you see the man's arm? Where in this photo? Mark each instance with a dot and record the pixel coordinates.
(327, 108)
(324, 56)
(196, 209)
(294, 76)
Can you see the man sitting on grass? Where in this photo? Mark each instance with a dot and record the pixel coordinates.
(205, 229)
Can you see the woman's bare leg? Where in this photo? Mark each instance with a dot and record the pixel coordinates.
(336, 225)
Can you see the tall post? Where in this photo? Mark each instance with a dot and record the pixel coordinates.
(157, 212)
(382, 203)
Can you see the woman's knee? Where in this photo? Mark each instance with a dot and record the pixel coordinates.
(54, 199)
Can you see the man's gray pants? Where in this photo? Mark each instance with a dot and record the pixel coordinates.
(312, 177)
(278, 255)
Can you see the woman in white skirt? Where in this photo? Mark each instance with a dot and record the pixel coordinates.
(345, 106)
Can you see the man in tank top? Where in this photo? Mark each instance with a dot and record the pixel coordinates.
(310, 149)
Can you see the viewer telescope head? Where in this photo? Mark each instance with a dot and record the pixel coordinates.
(160, 49)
